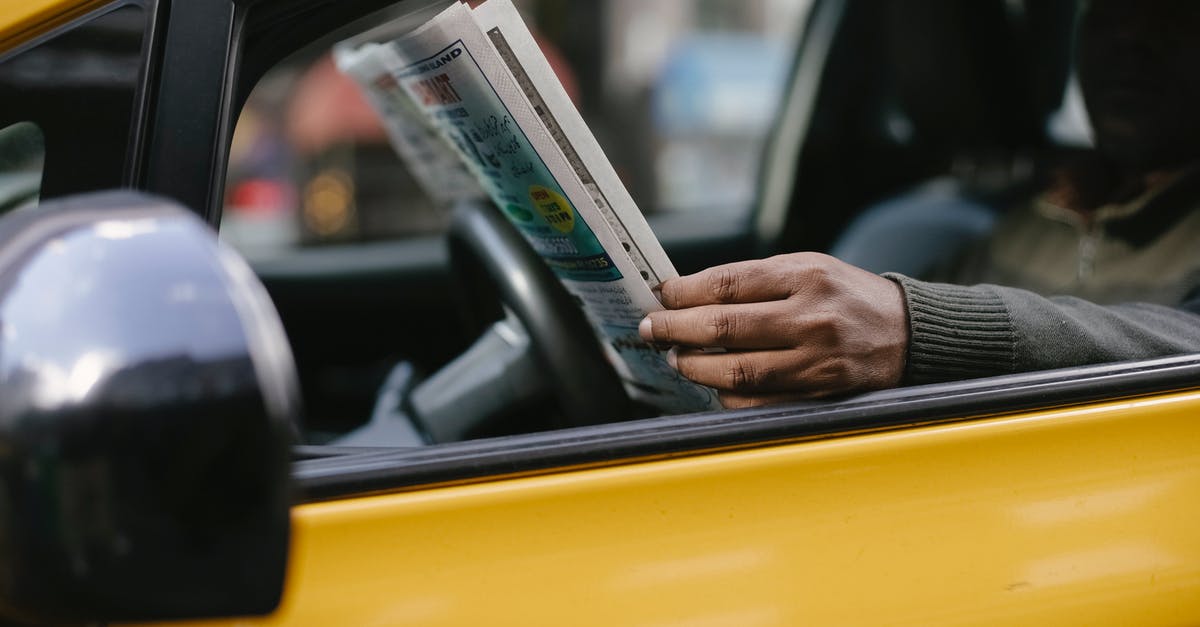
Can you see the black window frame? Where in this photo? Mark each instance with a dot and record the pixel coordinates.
(326, 473)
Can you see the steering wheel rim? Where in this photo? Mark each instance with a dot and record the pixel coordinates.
(484, 244)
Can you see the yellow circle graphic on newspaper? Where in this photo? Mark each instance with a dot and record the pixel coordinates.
(553, 207)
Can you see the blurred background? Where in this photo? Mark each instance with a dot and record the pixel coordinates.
(679, 93)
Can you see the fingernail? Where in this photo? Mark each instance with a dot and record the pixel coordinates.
(672, 359)
(657, 291)
(645, 329)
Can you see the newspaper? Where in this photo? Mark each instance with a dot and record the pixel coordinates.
(434, 164)
(478, 77)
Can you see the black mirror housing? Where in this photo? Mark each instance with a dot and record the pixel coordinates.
(147, 403)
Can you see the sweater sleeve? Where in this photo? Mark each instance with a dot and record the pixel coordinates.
(962, 332)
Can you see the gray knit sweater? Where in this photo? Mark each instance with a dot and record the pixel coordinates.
(1050, 290)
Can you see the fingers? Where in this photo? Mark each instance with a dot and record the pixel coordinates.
(731, 400)
(758, 373)
(795, 326)
(742, 282)
(772, 324)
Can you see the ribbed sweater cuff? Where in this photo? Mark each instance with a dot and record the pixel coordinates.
(956, 332)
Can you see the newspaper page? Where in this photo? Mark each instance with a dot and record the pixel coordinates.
(432, 162)
(479, 78)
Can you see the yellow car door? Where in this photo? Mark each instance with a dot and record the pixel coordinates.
(874, 511)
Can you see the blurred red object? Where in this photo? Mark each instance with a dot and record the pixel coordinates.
(260, 196)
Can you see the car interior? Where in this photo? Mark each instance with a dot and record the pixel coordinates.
(884, 148)
(886, 133)
(876, 124)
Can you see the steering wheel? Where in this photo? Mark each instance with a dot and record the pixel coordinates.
(543, 346)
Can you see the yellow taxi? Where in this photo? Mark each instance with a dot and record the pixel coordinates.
(155, 465)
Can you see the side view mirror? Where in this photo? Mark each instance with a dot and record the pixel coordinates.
(147, 399)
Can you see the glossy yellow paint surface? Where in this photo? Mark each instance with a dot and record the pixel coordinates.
(22, 20)
(1080, 516)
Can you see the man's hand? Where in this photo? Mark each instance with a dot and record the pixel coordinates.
(794, 326)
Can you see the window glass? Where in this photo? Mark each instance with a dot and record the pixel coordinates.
(79, 88)
(22, 153)
(680, 95)
(310, 164)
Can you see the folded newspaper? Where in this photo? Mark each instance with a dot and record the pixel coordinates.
(474, 108)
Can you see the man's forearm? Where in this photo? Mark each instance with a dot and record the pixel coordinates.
(964, 332)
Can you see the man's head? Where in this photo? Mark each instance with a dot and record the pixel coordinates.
(1139, 67)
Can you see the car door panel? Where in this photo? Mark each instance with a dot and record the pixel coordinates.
(1075, 515)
